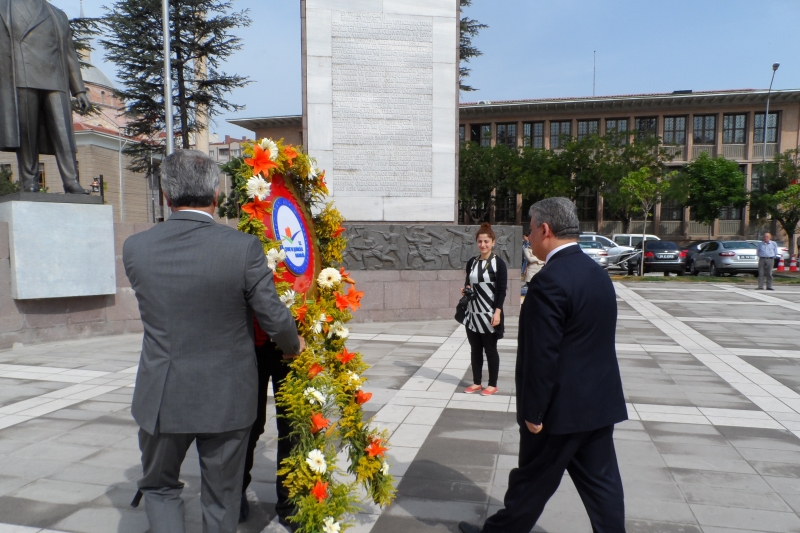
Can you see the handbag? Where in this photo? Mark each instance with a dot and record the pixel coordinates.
(463, 303)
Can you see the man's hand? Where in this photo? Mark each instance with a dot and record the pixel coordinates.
(533, 428)
(83, 102)
(302, 349)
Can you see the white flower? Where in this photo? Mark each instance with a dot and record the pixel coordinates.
(312, 172)
(269, 144)
(329, 525)
(275, 256)
(355, 379)
(328, 278)
(316, 461)
(288, 298)
(319, 323)
(314, 396)
(257, 187)
(385, 468)
(339, 330)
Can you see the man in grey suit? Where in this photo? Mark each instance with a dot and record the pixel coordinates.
(198, 284)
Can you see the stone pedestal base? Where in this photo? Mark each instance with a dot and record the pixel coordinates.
(59, 250)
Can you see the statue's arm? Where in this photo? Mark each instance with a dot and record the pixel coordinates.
(76, 85)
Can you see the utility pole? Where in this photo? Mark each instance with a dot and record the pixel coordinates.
(168, 80)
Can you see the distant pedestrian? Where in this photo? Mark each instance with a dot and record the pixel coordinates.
(487, 277)
(532, 263)
(525, 245)
(767, 255)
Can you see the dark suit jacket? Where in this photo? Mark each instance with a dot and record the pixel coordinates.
(196, 282)
(567, 374)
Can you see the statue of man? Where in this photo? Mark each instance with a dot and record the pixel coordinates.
(39, 70)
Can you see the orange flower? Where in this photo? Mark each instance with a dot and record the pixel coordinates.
(260, 161)
(278, 276)
(338, 231)
(318, 423)
(363, 397)
(346, 277)
(345, 357)
(375, 448)
(257, 208)
(322, 183)
(320, 491)
(301, 313)
(354, 298)
(342, 302)
(290, 153)
(315, 369)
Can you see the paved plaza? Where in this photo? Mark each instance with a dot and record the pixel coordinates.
(711, 375)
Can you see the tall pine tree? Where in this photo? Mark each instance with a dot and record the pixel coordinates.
(200, 34)
(469, 29)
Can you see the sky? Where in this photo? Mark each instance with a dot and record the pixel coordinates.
(544, 48)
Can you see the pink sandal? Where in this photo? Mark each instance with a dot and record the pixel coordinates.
(488, 391)
(472, 388)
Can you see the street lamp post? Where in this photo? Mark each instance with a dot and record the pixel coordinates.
(766, 118)
(167, 79)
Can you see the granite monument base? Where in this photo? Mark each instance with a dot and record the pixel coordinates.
(60, 246)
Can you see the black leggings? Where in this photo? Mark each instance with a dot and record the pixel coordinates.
(480, 342)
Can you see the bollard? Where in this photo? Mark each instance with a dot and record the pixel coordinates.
(781, 267)
(793, 264)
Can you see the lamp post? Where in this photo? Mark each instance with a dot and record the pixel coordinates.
(167, 79)
(766, 118)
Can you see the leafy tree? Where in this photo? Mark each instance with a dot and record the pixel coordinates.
(709, 184)
(200, 35)
(7, 185)
(777, 194)
(83, 31)
(643, 192)
(542, 174)
(469, 29)
(482, 172)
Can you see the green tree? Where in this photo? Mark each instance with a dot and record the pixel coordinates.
(542, 174)
(200, 35)
(7, 185)
(642, 191)
(776, 195)
(483, 173)
(707, 184)
(469, 29)
(83, 31)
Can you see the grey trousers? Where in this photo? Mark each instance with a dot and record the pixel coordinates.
(765, 265)
(221, 467)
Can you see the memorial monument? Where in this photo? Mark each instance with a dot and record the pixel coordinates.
(40, 70)
(380, 105)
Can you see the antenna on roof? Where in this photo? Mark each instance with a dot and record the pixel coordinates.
(83, 16)
(594, 71)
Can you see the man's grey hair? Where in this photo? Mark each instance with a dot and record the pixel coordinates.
(559, 213)
(189, 178)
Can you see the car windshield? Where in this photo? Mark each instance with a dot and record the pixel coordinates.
(661, 245)
(605, 242)
(738, 245)
(592, 245)
(585, 238)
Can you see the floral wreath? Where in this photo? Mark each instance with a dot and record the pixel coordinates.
(322, 394)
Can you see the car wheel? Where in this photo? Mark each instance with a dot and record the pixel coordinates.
(666, 274)
(712, 270)
(681, 272)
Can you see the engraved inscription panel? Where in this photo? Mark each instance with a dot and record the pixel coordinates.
(382, 70)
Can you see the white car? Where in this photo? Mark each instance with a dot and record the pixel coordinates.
(624, 243)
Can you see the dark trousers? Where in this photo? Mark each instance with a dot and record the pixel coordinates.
(221, 461)
(591, 461)
(479, 343)
(57, 111)
(270, 365)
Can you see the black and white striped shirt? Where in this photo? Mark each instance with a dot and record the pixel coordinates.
(488, 279)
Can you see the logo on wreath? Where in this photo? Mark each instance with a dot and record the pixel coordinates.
(294, 239)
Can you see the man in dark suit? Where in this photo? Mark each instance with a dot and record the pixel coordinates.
(197, 282)
(569, 390)
(38, 70)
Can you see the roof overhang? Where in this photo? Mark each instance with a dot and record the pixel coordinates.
(255, 124)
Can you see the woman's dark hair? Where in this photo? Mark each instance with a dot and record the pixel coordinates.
(486, 229)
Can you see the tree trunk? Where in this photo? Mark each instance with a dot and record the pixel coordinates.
(182, 104)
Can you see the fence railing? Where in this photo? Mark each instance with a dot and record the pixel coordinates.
(734, 151)
(758, 150)
(670, 227)
(730, 227)
(610, 227)
(589, 226)
(698, 228)
(678, 151)
(636, 227)
(703, 149)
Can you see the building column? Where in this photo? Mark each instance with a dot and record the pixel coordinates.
(599, 216)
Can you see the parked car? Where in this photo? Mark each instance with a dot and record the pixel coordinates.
(596, 251)
(692, 249)
(659, 256)
(781, 248)
(594, 237)
(624, 243)
(726, 257)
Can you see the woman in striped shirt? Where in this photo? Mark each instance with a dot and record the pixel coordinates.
(487, 276)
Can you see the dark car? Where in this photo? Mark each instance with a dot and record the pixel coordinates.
(692, 249)
(660, 256)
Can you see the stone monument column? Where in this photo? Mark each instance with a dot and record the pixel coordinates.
(380, 105)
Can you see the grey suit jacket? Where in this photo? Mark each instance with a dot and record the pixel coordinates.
(198, 283)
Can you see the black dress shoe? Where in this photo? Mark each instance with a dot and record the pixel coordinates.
(465, 527)
(73, 187)
(244, 509)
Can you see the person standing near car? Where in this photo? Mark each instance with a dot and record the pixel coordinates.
(767, 255)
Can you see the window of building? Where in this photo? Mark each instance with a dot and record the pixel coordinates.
(533, 135)
(236, 153)
(734, 128)
(675, 131)
(730, 213)
(211, 154)
(481, 134)
(507, 134)
(559, 130)
(704, 130)
(671, 210)
(587, 207)
(588, 127)
(772, 128)
(462, 134)
(224, 152)
(617, 127)
(645, 127)
(756, 183)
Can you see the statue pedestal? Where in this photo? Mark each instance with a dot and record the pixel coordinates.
(60, 245)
